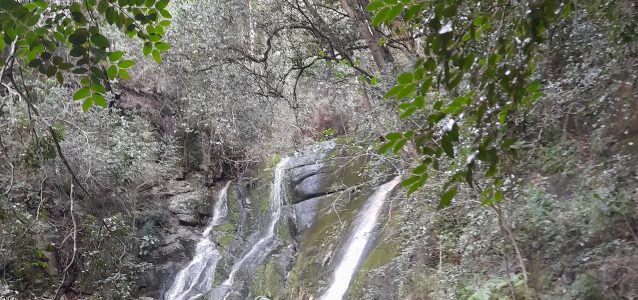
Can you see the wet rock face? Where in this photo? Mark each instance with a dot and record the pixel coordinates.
(306, 211)
(311, 175)
(313, 186)
(302, 172)
(294, 263)
(186, 206)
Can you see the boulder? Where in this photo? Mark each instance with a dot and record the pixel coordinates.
(300, 173)
(186, 206)
(314, 186)
(306, 211)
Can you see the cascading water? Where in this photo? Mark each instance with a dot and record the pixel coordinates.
(276, 199)
(361, 233)
(197, 277)
(220, 211)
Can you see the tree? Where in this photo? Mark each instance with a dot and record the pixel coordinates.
(60, 39)
(467, 94)
(68, 41)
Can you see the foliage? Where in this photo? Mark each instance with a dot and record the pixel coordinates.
(475, 76)
(498, 288)
(66, 39)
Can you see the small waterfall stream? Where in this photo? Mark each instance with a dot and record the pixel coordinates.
(276, 200)
(361, 233)
(197, 277)
(220, 211)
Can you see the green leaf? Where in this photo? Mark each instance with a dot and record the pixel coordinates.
(446, 197)
(380, 16)
(418, 184)
(498, 196)
(124, 74)
(99, 99)
(150, 29)
(419, 101)
(156, 56)
(58, 76)
(413, 12)
(35, 63)
(410, 180)
(154, 37)
(125, 64)
(41, 3)
(393, 136)
(406, 91)
(88, 102)
(467, 36)
(165, 13)
(446, 144)
(420, 169)
(81, 93)
(399, 145)
(160, 5)
(86, 82)
(502, 115)
(386, 146)
(115, 55)
(404, 105)
(567, 9)
(78, 71)
(405, 78)
(111, 72)
(393, 91)
(375, 5)
(533, 86)
(408, 112)
(100, 41)
(394, 12)
(454, 133)
(162, 46)
(99, 88)
(457, 105)
(79, 37)
(148, 47)
(77, 51)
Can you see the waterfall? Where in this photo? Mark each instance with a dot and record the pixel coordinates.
(220, 211)
(276, 197)
(197, 277)
(361, 233)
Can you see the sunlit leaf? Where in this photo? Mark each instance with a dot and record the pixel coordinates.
(86, 104)
(111, 72)
(446, 197)
(81, 93)
(115, 55)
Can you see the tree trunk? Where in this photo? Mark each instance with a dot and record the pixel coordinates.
(381, 54)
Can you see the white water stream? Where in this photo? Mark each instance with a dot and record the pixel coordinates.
(197, 277)
(361, 233)
(276, 199)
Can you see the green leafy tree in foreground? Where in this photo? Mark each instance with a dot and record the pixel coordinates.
(66, 38)
(476, 74)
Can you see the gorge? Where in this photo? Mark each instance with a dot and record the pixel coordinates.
(318, 150)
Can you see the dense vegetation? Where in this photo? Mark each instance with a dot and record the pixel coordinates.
(513, 123)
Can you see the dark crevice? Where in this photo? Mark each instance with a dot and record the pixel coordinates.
(317, 195)
(319, 161)
(301, 178)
